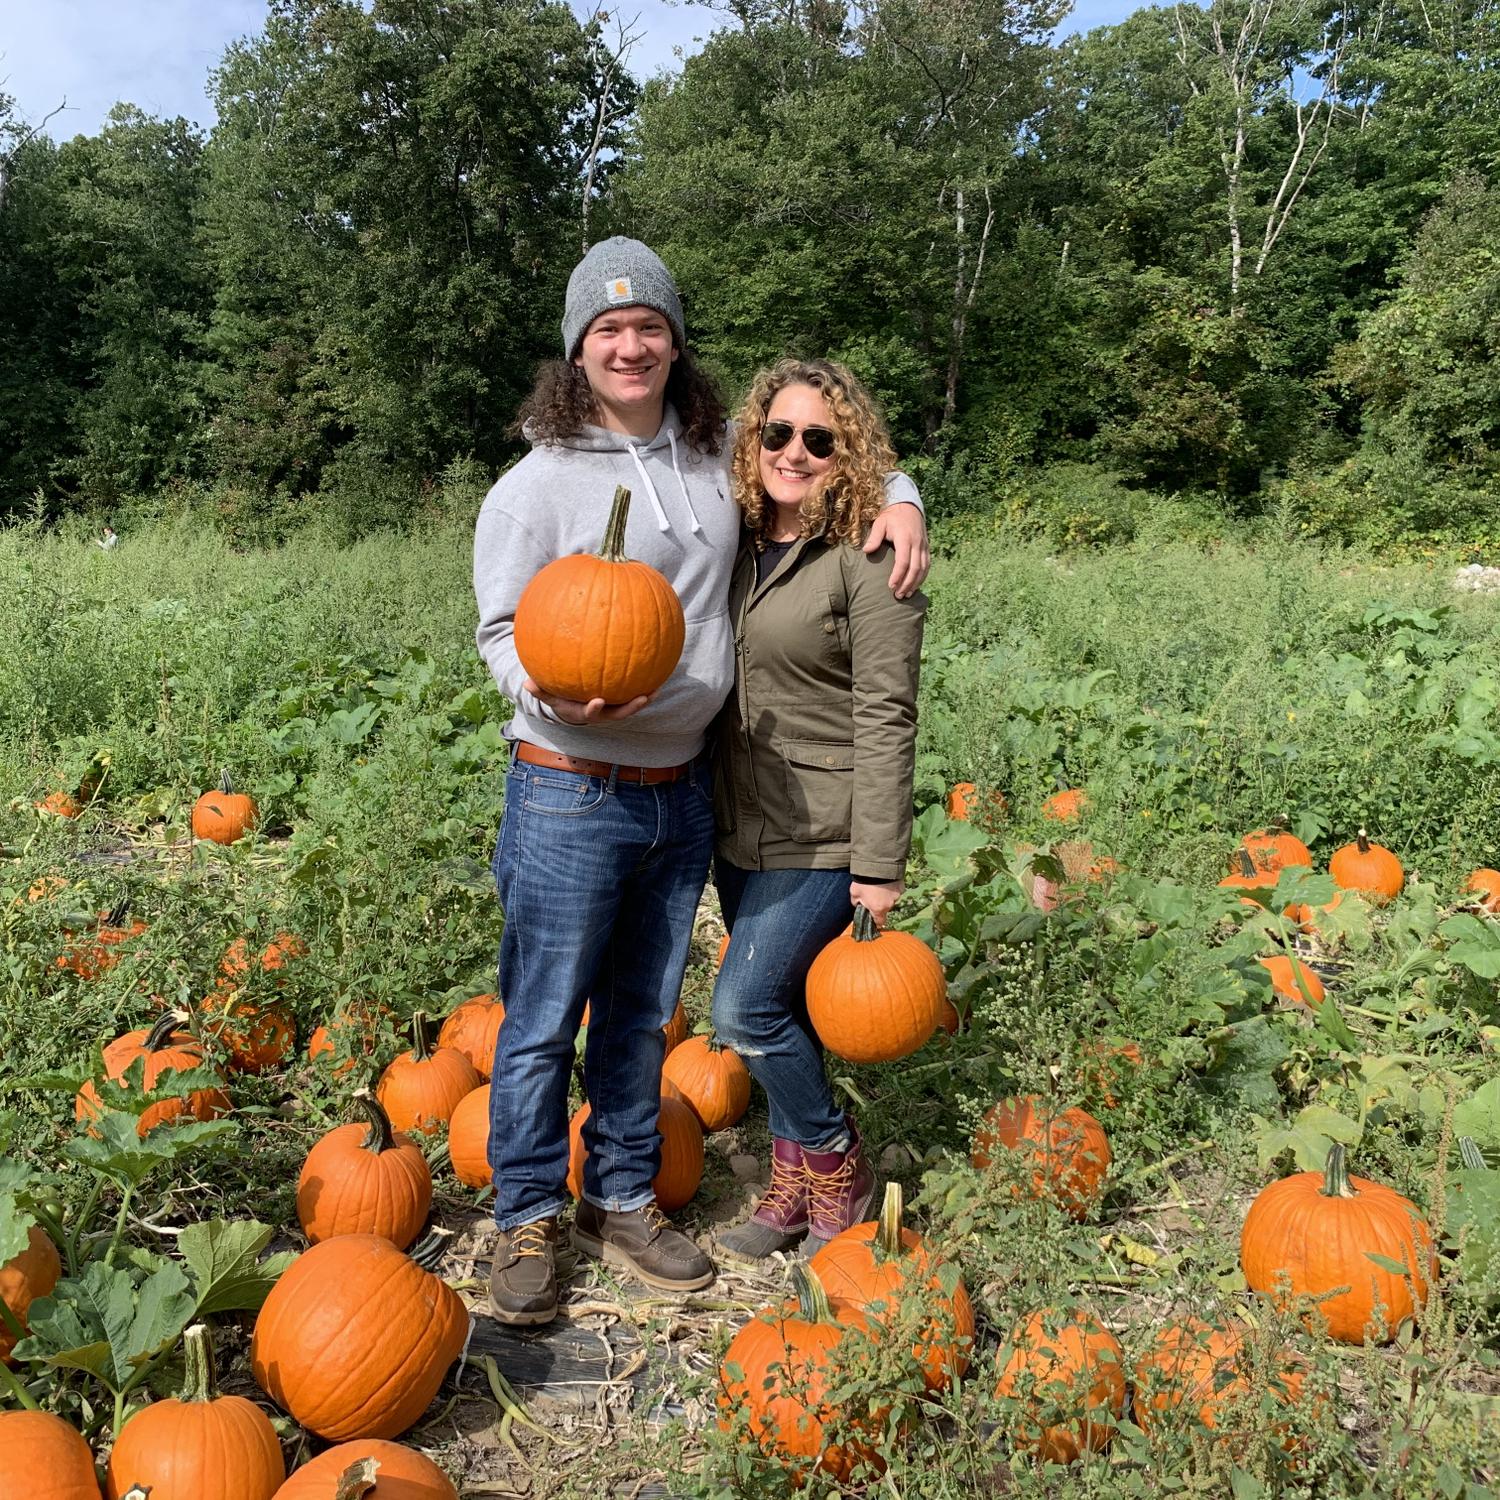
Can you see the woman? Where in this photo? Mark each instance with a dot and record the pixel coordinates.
(813, 777)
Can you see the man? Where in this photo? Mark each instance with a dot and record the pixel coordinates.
(608, 827)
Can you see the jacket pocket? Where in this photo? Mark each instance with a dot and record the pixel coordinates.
(820, 789)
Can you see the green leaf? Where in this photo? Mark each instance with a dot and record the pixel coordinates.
(224, 1258)
(1331, 1023)
(1473, 1222)
(1245, 1056)
(119, 1153)
(1308, 1137)
(109, 1321)
(15, 1222)
(1479, 1115)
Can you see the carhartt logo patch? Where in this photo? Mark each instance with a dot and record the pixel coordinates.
(618, 289)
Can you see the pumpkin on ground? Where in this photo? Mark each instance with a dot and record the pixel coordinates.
(421, 1088)
(201, 1446)
(873, 994)
(473, 1028)
(1246, 876)
(681, 1169)
(1275, 849)
(1080, 867)
(30, 1273)
(42, 1456)
(356, 1337)
(777, 1372)
(1101, 1064)
(1305, 915)
(257, 1034)
(1293, 980)
(1485, 885)
(59, 804)
(1204, 1370)
(712, 1080)
(368, 1470)
(469, 1139)
(354, 1025)
(723, 949)
(1066, 1148)
(95, 951)
(949, 1019)
(1368, 868)
(1067, 805)
(600, 627)
(1067, 1372)
(365, 1179)
(883, 1267)
(964, 803)
(166, 1050)
(1315, 1232)
(223, 816)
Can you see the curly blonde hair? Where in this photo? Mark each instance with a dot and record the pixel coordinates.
(843, 507)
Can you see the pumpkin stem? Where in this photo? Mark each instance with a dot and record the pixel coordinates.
(888, 1236)
(1336, 1174)
(428, 1251)
(1282, 820)
(198, 1356)
(225, 784)
(1473, 1157)
(613, 549)
(161, 1033)
(358, 1479)
(865, 930)
(421, 1038)
(115, 916)
(1247, 865)
(137, 1492)
(381, 1135)
(1364, 842)
(812, 1300)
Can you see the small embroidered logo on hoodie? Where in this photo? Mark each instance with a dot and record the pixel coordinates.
(618, 289)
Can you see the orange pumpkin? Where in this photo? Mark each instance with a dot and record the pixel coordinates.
(469, 1139)
(42, 1456)
(354, 1024)
(1293, 980)
(1080, 866)
(1203, 1368)
(356, 1337)
(223, 816)
(712, 1080)
(473, 1028)
(681, 1169)
(1275, 849)
(421, 1088)
(599, 627)
(723, 949)
(45, 888)
(59, 804)
(964, 802)
(166, 1050)
(676, 1030)
(1248, 877)
(27, 1275)
(95, 952)
(202, 1446)
(881, 1267)
(1067, 1148)
(1368, 868)
(365, 1179)
(1067, 1372)
(1305, 915)
(948, 1017)
(368, 1470)
(777, 1372)
(1099, 1069)
(1315, 1232)
(239, 966)
(1485, 884)
(1066, 806)
(874, 994)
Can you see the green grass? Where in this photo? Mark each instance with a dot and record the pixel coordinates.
(1194, 693)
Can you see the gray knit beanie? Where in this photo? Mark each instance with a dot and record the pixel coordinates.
(618, 272)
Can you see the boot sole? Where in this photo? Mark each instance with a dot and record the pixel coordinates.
(529, 1319)
(612, 1255)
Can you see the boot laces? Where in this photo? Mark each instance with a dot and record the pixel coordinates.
(829, 1192)
(781, 1198)
(656, 1220)
(529, 1239)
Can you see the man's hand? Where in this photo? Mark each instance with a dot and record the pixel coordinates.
(877, 899)
(595, 711)
(904, 527)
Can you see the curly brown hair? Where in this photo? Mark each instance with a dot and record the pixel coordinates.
(562, 401)
(845, 505)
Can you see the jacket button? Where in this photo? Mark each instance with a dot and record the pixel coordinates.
(827, 627)
(827, 760)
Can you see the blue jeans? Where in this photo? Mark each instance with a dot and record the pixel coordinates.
(600, 882)
(779, 920)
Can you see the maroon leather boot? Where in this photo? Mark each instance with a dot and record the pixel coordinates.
(840, 1191)
(780, 1219)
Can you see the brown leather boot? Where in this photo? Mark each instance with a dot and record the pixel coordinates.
(840, 1191)
(780, 1218)
(523, 1274)
(643, 1241)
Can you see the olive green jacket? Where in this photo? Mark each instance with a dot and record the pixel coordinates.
(816, 746)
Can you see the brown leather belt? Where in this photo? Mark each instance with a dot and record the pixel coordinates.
(535, 755)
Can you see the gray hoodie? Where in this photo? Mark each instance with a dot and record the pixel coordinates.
(683, 522)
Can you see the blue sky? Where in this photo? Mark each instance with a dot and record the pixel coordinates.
(158, 53)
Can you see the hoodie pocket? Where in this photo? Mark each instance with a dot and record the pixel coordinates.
(820, 789)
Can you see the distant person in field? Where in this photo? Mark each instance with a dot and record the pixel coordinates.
(605, 841)
(816, 750)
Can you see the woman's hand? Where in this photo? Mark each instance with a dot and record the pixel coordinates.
(877, 899)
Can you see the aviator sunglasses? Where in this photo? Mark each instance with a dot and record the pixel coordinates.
(818, 441)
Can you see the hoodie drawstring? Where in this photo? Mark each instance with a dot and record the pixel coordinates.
(662, 524)
(697, 527)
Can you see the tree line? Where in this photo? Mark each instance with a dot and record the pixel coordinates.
(1239, 252)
